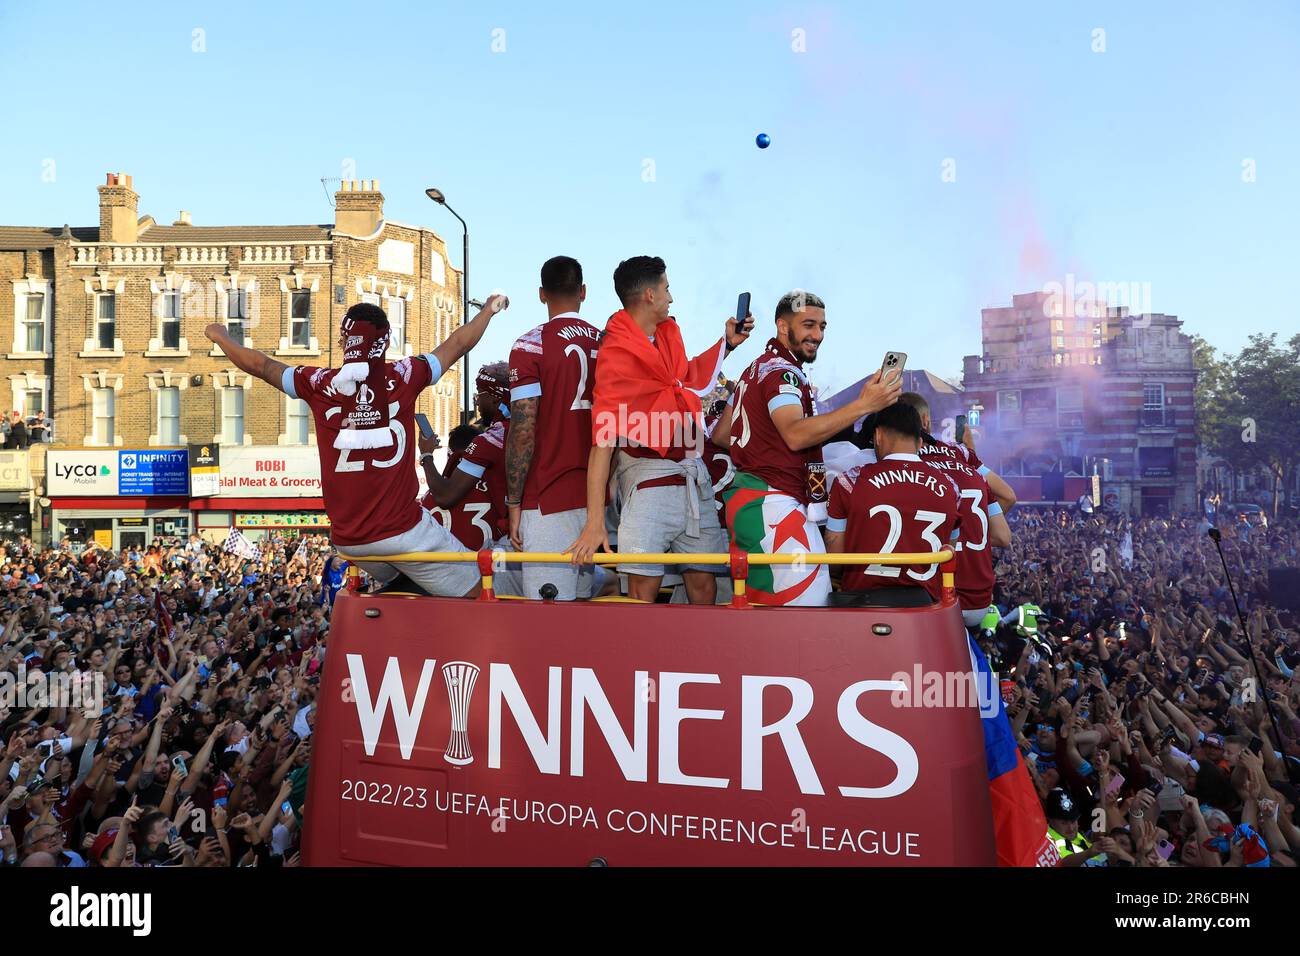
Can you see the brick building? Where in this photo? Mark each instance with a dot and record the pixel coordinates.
(1064, 389)
(104, 331)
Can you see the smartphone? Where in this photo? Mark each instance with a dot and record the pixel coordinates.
(178, 765)
(743, 322)
(961, 428)
(1170, 797)
(892, 367)
(422, 422)
(1116, 781)
(286, 807)
(46, 747)
(220, 801)
(172, 834)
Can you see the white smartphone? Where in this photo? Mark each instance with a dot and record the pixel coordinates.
(892, 367)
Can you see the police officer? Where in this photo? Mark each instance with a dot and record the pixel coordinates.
(1063, 830)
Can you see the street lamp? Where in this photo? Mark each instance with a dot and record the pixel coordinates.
(437, 196)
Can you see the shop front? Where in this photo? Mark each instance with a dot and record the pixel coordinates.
(264, 489)
(118, 498)
(15, 496)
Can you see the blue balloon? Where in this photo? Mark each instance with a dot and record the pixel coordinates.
(763, 141)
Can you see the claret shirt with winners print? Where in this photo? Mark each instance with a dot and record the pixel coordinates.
(370, 493)
(974, 563)
(898, 505)
(556, 364)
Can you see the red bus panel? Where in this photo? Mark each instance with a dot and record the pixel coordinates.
(459, 733)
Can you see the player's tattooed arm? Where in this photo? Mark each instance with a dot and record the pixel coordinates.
(520, 442)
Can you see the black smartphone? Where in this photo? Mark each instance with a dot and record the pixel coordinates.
(422, 422)
(961, 428)
(743, 322)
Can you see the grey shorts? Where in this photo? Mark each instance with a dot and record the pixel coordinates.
(653, 521)
(440, 580)
(554, 533)
(507, 578)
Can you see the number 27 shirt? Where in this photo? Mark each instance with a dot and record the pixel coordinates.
(370, 493)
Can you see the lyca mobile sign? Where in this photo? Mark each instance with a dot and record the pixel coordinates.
(81, 472)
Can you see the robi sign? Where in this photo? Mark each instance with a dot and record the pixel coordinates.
(270, 471)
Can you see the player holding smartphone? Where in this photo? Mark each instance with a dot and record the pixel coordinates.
(776, 439)
(469, 497)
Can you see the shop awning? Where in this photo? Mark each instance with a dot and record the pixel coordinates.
(142, 503)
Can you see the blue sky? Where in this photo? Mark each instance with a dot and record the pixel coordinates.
(1118, 166)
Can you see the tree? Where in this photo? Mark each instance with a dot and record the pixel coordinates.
(1248, 407)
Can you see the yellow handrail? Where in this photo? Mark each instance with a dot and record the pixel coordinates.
(738, 561)
(526, 557)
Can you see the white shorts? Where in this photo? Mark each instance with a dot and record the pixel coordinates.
(554, 533)
(653, 521)
(439, 580)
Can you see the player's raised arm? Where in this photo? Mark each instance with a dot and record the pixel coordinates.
(468, 335)
(800, 431)
(245, 359)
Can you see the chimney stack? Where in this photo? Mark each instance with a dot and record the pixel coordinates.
(358, 207)
(183, 219)
(118, 202)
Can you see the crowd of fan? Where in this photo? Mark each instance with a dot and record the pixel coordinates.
(1133, 694)
(199, 754)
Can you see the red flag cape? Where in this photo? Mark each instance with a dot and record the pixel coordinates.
(640, 383)
(164, 619)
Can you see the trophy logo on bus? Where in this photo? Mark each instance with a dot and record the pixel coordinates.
(460, 677)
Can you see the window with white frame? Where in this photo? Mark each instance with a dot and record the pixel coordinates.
(232, 416)
(300, 320)
(236, 312)
(1153, 396)
(33, 401)
(297, 421)
(170, 326)
(33, 321)
(371, 298)
(103, 409)
(169, 415)
(105, 321)
(1069, 398)
(396, 324)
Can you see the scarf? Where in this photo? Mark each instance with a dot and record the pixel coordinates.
(361, 385)
(649, 392)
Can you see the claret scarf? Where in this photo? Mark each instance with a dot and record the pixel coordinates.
(361, 383)
(639, 381)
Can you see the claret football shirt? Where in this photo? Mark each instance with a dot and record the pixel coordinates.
(370, 493)
(897, 505)
(556, 363)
